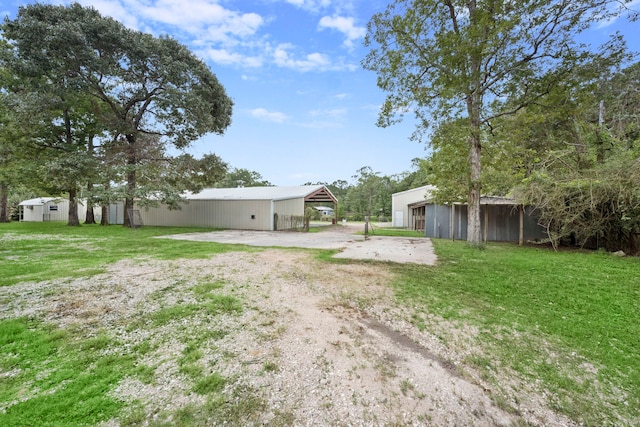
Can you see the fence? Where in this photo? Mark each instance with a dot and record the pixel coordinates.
(288, 222)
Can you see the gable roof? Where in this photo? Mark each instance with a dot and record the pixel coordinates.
(40, 201)
(310, 193)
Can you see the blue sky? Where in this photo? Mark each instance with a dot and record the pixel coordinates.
(305, 110)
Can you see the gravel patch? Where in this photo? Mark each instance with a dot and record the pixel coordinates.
(340, 352)
(351, 246)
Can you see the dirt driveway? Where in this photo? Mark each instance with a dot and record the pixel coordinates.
(342, 237)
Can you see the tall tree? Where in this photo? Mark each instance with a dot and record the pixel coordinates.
(240, 177)
(446, 59)
(151, 85)
(51, 103)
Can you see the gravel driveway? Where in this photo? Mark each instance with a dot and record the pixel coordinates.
(351, 246)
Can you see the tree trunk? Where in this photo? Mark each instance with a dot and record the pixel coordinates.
(73, 208)
(89, 217)
(131, 180)
(104, 220)
(4, 202)
(474, 231)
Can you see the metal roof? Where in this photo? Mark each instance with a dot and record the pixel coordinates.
(40, 201)
(311, 193)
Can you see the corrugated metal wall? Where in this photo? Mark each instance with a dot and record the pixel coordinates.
(289, 207)
(235, 214)
(503, 223)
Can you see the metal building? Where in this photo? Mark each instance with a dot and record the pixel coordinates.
(501, 219)
(247, 208)
(402, 214)
(44, 209)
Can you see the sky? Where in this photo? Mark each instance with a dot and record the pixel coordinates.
(304, 108)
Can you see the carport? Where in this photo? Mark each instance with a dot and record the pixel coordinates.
(246, 208)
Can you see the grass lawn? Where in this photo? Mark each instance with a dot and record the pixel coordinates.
(45, 251)
(568, 319)
(567, 324)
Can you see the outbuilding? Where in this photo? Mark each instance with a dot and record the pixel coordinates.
(45, 209)
(403, 215)
(246, 208)
(501, 219)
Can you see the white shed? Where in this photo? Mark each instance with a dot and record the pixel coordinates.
(246, 208)
(45, 209)
(403, 216)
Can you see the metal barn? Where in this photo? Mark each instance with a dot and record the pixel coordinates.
(402, 215)
(502, 220)
(247, 208)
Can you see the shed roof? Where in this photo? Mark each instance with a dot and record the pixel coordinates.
(310, 193)
(484, 200)
(40, 201)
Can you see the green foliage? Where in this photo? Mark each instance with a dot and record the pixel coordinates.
(597, 206)
(478, 62)
(239, 177)
(546, 315)
(96, 77)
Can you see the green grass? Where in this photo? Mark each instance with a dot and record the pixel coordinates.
(55, 377)
(547, 315)
(63, 377)
(392, 231)
(567, 322)
(46, 251)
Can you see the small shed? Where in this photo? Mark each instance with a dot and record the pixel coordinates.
(245, 208)
(45, 209)
(403, 215)
(501, 218)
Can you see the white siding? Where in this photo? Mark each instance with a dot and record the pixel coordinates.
(289, 207)
(32, 213)
(235, 214)
(400, 204)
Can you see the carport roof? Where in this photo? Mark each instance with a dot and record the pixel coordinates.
(310, 193)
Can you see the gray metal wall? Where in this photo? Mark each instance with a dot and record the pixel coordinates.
(503, 223)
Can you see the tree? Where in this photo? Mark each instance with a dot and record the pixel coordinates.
(370, 195)
(462, 59)
(150, 85)
(586, 187)
(240, 177)
(58, 116)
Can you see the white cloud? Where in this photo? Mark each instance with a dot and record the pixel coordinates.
(223, 35)
(342, 96)
(346, 26)
(269, 116)
(312, 61)
(223, 56)
(310, 5)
